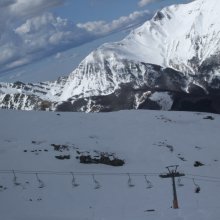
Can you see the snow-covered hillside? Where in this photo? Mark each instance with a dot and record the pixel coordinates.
(177, 51)
(147, 141)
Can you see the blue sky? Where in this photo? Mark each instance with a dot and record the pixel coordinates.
(44, 39)
(106, 9)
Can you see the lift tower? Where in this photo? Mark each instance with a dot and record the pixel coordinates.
(172, 173)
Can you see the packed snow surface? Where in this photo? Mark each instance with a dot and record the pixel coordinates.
(42, 186)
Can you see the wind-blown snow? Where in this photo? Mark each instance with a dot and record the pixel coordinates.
(148, 141)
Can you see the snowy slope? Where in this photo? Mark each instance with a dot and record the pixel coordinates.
(176, 51)
(31, 96)
(148, 141)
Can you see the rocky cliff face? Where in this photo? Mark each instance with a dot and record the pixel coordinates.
(171, 62)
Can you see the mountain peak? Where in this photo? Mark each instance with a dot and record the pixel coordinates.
(181, 37)
(177, 51)
(177, 34)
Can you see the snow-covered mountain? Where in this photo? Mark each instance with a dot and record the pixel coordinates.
(170, 62)
(46, 187)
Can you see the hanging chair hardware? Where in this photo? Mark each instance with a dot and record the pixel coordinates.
(148, 182)
(179, 182)
(197, 187)
(130, 183)
(96, 182)
(74, 183)
(41, 183)
(16, 183)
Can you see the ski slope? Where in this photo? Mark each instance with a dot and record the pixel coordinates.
(148, 141)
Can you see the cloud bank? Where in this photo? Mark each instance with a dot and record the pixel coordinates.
(30, 32)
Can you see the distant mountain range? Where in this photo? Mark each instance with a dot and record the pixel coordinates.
(171, 62)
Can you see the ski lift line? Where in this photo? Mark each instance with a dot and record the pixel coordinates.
(46, 172)
(211, 177)
(75, 173)
(204, 180)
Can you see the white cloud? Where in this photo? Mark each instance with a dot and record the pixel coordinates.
(143, 3)
(37, 38)
(103, 28)
(30, 7)
(19, 62)
(28, 32)
(12, 45)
